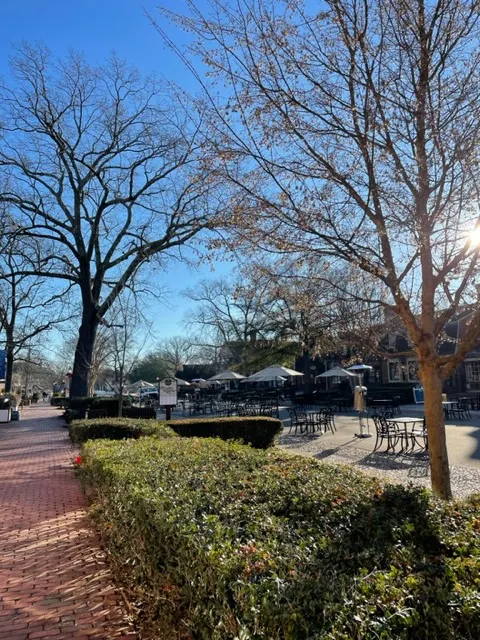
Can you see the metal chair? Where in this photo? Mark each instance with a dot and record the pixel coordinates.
(385, 430)
(298, 421)
(420, 433)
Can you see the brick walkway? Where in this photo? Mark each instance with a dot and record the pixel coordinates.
(53, 579)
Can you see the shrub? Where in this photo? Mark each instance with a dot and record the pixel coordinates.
(93, 407)
(110, 405)
(9, 399)
(260, 432)
(116, 429)
(218, 541)
(139, 412)
(58, 401)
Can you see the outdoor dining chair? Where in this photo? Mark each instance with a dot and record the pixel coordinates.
(385, 431)
(298, 420)
(327, 419)
(461, 411)
(420, 436)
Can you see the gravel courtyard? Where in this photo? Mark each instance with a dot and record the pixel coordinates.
(344, 447)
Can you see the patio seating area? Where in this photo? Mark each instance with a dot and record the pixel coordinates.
(254, 406)
(405, 434)
(395, 447)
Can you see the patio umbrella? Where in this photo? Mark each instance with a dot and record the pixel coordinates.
(275, 370)
(198, 380)
(182, 383)
(227, 375)
(264, 378)
(337, 372)
(139, 384)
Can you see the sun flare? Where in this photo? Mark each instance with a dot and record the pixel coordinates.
(475, 237)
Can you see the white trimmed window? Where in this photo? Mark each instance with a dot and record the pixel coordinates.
(472, 370)
(412, 371)
(394, 371)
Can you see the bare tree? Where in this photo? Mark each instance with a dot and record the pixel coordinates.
(106, 169)
(176, 352)
(229, 317)
(129, 332)
(352, 130)
(241, 322)
(29, 305)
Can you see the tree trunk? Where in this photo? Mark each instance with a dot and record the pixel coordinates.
(9, 361)
(307, 371)
(437, 444)
(120, 393)
(83, 354)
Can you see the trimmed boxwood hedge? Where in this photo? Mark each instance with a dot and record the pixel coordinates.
(260, 432)
(59, 401)
(217, 541)
(117, 429)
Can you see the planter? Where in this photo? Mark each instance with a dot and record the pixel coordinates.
(5, 415)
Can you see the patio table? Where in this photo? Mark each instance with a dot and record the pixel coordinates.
(407, 435)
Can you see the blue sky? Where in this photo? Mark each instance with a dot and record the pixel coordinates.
(98, 27)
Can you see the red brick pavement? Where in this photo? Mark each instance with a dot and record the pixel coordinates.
(53, 579)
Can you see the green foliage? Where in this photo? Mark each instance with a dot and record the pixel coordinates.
(117, 429)
(96, 406)
(219, 541)
(151, 367)
(94, 402)
(253, 356)
(139, 412)
(260, 432)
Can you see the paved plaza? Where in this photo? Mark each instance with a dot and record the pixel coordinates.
(53, 579)
(463, 441)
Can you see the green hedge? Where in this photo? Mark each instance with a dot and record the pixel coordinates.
(218, 541)
(110, 405)
(58, 401)
(260, 432)
(116, 429)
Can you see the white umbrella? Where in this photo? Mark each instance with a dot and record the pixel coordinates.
(274, 371)
(182, 383)
(139, 384)
(264, 378)
(198, 380)
(227, 375)
(337, 372)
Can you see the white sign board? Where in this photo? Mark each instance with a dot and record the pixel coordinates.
(168, 392)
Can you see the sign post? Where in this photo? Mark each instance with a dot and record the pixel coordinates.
(167, 395)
